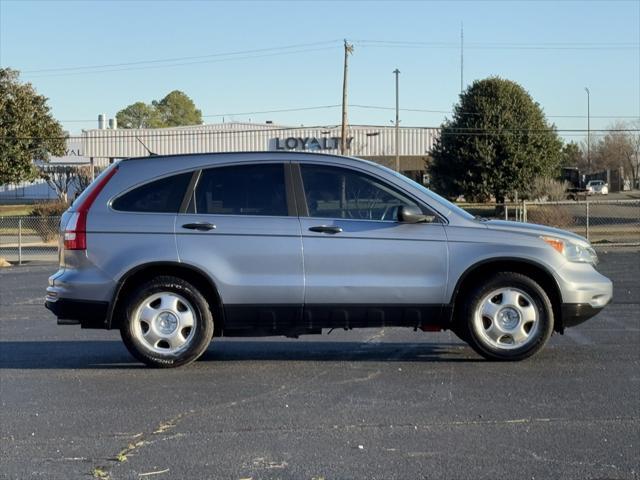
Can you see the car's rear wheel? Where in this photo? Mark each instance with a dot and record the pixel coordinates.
(509, 317)
(167, 322)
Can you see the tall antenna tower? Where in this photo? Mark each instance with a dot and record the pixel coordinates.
(461, 57)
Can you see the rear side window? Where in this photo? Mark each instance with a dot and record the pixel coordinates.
(162, 196)
(241, 190)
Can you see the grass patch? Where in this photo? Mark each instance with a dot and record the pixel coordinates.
(121, 457)
(15, 210)
(99, 472)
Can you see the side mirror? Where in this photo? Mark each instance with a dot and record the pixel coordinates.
(412, 214)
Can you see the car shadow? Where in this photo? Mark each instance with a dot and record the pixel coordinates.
(51, 355)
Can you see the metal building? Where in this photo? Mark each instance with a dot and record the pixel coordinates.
(375, 143)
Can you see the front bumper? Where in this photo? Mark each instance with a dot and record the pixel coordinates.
(576, 313)
(585, 292)
(581, 283)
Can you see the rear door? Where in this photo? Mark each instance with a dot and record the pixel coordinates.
(363, 267)
(241, 228)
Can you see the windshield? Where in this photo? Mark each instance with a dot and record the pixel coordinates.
(441, 200)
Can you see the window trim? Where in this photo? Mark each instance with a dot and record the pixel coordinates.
(302, 199)
(142, 184)
(290, 198)
(190, 191)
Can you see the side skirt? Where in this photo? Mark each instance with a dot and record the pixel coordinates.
(265, 320)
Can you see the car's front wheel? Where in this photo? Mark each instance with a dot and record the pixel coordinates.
(509, 317)
(167, 322)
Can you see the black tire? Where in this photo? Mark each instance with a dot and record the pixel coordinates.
(508, 280)
(199, 339)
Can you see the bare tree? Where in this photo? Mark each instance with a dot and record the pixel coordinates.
(84, 178)
(633, 156)
(619, 149)
(59, 178)
(547, 189)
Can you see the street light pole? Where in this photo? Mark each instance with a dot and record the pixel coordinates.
(588, 128)
(397, 73)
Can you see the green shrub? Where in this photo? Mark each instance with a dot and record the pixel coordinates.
(49, 209)
(47, 221)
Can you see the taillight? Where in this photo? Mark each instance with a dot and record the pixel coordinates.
(75, 232)
(74, 237)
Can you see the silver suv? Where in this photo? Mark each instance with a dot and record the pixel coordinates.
(176, 250)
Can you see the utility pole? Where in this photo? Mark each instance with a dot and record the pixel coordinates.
(461, 57)
(397, 73)
(343, 133)
(588, 128)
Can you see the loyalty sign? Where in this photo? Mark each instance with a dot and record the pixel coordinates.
(310, 143)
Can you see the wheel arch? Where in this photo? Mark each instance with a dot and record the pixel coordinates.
(537, 272)
(147, 271)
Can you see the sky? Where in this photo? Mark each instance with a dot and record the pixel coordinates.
(237, 57)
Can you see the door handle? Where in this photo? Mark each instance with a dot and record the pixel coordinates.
(200, 226)
(325, 229)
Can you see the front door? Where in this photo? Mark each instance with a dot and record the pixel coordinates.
(362, 266)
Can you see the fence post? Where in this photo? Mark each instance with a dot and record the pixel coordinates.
(587, 222)
(506, 211)
(524, 211)
(19, 241)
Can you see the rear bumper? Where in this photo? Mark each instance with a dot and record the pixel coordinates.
(88, 314)
(576, 313)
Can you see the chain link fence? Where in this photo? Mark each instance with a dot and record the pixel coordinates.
(603, 222)
(27, 239)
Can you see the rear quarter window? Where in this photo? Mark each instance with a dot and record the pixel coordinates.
(160, 196)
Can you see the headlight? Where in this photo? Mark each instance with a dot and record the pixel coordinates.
(572, 251)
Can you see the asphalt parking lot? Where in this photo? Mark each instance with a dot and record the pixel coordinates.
(375, 404)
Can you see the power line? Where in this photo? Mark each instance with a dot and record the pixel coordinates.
(298, 109)
(177, 59)
(377, 107)
(166, 134)
(371, 107)
(445, 131)
(544, 44)
(220, 115)
(305, 47)
(169, 65)
(423, 110)
(500, 45)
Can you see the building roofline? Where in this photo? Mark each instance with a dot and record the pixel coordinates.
(256, 153)
(94, 133)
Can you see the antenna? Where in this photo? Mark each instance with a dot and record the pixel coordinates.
(151, 154)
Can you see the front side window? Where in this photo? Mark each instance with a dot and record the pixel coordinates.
(160, 196)
(334, 192)
(241, 190)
